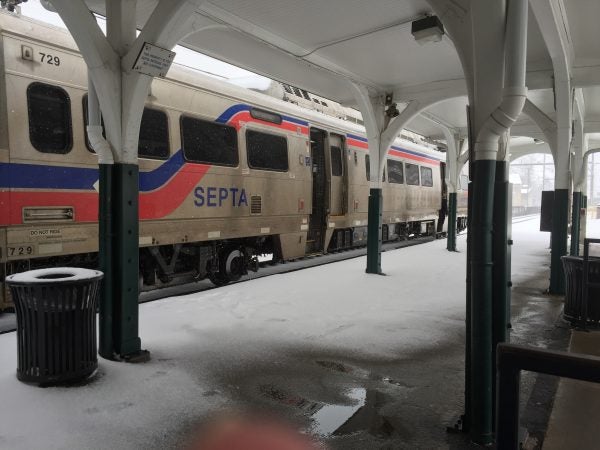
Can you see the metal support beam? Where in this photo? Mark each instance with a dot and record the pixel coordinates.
(575, 223)
(121, 95)
(560, 226)
(382, 129)
(481, 301)
(501, 255)
(374, 232)
(451, 242)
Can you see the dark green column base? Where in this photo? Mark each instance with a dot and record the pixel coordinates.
(119, 260)
(374, 232)
(575, 222)
(105, 256)
(126, 259)
(560, 224)
(481, 376)
(451, 241)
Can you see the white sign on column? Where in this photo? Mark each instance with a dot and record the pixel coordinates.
(153, 61)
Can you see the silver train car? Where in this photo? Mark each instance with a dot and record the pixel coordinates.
(226, 173)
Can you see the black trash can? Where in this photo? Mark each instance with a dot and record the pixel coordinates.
(56, 323)
(576, 310)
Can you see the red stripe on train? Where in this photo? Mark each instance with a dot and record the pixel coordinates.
(84, 204)
(152, 205)
(244, 116)
(162, 202)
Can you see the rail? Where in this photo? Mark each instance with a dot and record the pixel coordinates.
(512, 359)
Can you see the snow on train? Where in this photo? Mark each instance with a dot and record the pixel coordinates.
(226, 173)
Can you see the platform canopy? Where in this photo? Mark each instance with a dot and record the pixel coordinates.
(312, 44)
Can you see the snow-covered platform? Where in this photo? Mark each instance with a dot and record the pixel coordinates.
(362, 361)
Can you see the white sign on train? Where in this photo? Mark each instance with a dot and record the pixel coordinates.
(46, 232)
(153, 61)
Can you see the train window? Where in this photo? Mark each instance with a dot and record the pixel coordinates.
(154, 135)
(336, 161)
(368, 167)
(266, 151)
(426, 176)
(209, 142)
(464, 182)
(395, 171)
(305, 94)
(412, 174)
(267, 116)
(49, 109)
(85, 124)
(297, 91)
(287, 89)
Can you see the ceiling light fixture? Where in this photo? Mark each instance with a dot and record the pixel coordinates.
(428, 29)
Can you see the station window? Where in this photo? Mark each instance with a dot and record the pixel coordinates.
(395, 172)
(209, 142)
(49, 109)
(368, 167)
(154, 135)
(426, 176)
(336, 161)
(266, 151)
(412, 174)
(464, 182)
(85, 123)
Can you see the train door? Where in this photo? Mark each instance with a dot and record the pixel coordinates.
(317, 223)
(444, 206)
(339, 177)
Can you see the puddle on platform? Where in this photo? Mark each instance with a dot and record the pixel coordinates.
(361, 413)
(330, 418)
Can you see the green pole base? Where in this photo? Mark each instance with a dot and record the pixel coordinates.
(560, 224)
(374, 232)
(451, 240)
(575, 223)
(119, 260)
(481, 376)
(105, 257)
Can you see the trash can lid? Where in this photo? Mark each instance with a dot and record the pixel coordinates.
(54, 275)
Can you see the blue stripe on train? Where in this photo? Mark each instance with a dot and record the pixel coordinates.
(37, 176)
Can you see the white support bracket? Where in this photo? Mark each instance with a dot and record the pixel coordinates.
(545, 123)
(453, 154)
(380, 135)
(121, 91)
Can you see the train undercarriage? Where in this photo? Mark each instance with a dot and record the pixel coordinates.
(223, 261)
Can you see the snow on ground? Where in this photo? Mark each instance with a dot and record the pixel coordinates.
(194, 337)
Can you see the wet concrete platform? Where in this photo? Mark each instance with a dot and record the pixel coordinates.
(359, 361)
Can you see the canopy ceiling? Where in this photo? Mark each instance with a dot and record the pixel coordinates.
(318, 45)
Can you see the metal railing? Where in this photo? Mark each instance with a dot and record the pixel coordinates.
(512, 359)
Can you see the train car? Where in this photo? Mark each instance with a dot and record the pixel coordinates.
(226, 173)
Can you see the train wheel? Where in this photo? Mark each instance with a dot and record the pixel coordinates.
(231, 267)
